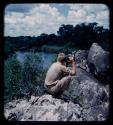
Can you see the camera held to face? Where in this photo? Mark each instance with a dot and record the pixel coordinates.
(68, 58)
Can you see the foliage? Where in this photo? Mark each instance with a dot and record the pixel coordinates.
(80, 36)
(12, 78)
(23, 80)
(33, 72)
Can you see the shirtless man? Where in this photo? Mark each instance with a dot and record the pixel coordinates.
(59, 76)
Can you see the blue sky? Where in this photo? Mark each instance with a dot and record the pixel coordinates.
(34, 19)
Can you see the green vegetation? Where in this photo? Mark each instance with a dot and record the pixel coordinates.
(56, 49)
(12, 78)
(68, 37)
(23, 80)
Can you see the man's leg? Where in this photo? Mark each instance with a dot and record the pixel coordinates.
(61, 85)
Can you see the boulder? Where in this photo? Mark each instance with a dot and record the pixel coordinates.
(48, 108)
(81, 59)
(98, 62)
(96, 113)
(18, 111)
(81, 55)
(85, 90)
(43, 108)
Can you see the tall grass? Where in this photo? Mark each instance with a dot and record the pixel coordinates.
(23, 80)
(12, 78)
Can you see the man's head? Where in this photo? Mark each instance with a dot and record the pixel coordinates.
(61, 57)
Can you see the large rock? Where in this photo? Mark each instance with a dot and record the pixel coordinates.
(86, 100)
(98, 62)
(48, 108)
(81, 55)
(96, 113)
(81, 59)
(44, 108)
(86, 91)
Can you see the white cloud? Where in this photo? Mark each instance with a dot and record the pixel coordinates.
(76, 14)
(88, 7)
(14, 17)
(75, 6)
(91, 18)
(95, 7)
(45, 8)
(89, 13)
(103, 15)
(75, 17)
(44, 18)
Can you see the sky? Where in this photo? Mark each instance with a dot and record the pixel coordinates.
(35, 19)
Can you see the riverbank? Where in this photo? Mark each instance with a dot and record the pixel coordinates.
(50, 49)
(44, 49)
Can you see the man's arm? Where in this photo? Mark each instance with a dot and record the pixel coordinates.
(73, 71)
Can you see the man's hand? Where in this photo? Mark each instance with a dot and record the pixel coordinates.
(71, 59)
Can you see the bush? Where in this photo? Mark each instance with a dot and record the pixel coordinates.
(33, 74)
(23, 80)
(12, 78)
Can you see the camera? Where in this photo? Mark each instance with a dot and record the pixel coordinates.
(67, 59)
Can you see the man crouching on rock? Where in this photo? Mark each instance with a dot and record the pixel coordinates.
(59, 76)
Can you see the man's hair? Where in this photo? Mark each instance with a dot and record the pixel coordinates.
(61, 57)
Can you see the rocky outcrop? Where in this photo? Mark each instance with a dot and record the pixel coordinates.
(48, 108)
(44, 108)
(85, 100)
(81, 55)
(86, 90)
(98, 62)
(81, 59)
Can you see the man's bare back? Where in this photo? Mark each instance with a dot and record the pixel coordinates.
(58, 77)
(55, 73)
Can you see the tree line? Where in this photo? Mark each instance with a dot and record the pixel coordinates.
(80, 36)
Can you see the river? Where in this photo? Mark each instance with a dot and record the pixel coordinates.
(47, 58)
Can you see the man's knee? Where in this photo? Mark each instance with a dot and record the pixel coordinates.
(69, 78)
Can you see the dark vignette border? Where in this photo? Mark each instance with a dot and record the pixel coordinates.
(3, 4)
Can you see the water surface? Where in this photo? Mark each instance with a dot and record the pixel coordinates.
(47, 58)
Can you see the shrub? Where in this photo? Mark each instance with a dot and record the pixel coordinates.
(33, 73)
(23, 80)
(12, 78)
